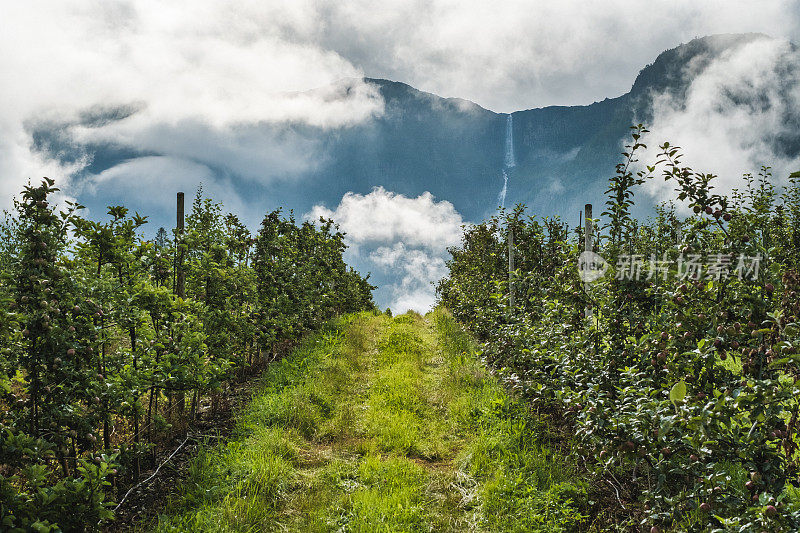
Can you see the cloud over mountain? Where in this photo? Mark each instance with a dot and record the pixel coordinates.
(739, 111)
(199, 78)
(204, 77)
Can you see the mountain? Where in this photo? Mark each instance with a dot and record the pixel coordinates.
(421, 142)
(456, 149)
(554, 159)
(451, 147)
(565, 155)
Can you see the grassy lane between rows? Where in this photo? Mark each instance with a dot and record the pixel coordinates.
(380, 424)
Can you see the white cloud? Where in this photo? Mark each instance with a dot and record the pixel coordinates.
(207, 79)
(415, 271)
(383, 216)
(734, 110)
(519, 54)
(142, 180)
(215, 83)
(401, 240)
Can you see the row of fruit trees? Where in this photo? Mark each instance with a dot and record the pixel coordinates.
(100, 359)
(681, 383)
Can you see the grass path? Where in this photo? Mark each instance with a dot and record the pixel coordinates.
(380, 424)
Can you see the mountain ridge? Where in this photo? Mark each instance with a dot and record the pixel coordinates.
(449, 146)
(452, 148)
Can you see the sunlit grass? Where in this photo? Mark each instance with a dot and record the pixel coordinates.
(519, 483)
(242, 485)
(381, 424)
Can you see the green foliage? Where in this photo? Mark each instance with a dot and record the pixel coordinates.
(681, 391)
(521, 483)
(99, 351)
(341, 432)
(241, 484)
(302, 278)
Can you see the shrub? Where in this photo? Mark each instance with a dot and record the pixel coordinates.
(681, 392)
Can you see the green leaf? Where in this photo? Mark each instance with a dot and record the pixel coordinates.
(678, 392)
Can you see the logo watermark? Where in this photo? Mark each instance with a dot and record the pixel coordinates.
(591, 267)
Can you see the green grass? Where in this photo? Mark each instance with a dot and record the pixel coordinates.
(381, 424)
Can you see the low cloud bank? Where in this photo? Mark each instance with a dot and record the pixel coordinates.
(403, 241)
(200, 82)
(740, 111)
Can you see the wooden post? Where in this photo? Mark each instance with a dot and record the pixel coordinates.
(180, 277)
(588, 246)
(510, 268)
(180, 289)
(587, 237)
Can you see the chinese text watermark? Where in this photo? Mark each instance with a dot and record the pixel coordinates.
(592, 267)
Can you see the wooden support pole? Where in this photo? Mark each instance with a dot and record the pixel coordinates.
(511, 267)
(180, 276)
(587, 236)
(180, 290)
(588, 246)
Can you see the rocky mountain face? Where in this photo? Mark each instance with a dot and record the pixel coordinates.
(457, 150)
(566, 154)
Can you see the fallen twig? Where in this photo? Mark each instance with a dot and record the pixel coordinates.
(153, 474)
(617, 492)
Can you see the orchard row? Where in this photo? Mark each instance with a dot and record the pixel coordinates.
(682, 394)
(109, 341)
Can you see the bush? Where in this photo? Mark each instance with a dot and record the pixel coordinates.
(100, 349)
(681, 391)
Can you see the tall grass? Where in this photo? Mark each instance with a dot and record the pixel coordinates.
(519, 482)
(381, 424)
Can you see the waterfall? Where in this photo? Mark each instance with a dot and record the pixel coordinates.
(502, 196)
(509, 161)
